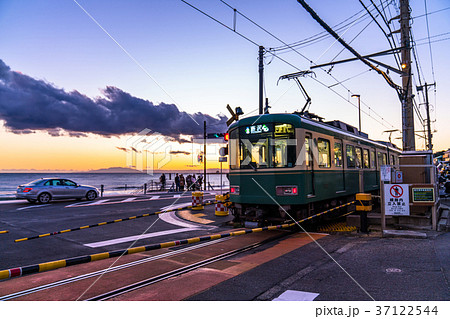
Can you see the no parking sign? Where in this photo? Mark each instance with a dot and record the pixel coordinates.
(396, 199)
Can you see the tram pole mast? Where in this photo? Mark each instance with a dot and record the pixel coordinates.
(261, 80)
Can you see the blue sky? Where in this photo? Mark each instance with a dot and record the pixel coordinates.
(202, 66)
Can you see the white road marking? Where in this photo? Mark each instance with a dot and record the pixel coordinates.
(295, 295)
(12, 201)
(171, 218)
(129, 199)
(133, 238)
(35, 206)
(176, 196)
(76, 204)
(176, 206)
(135, 200)
(99, 202)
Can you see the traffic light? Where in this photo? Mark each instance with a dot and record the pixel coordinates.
(218, 135)
(226, 137)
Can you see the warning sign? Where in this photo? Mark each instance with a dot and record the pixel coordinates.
(396, 199)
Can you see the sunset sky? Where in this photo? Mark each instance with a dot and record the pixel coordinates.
(79, 80)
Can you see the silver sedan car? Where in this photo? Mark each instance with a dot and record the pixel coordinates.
(45, 189)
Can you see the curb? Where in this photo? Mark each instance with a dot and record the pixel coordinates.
(404, 234)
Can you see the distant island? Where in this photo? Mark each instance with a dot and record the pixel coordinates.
(116, 170)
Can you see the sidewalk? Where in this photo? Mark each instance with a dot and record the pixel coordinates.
(382, 268)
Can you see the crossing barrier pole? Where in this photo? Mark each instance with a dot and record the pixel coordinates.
(363, 206)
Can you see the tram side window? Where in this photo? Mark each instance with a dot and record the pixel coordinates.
(373, 160)
(351, 156)
(392, 160)
(338, 154)
(366, 160)
(324, 153)
(358, 157)
(308, 157)
(382, 159)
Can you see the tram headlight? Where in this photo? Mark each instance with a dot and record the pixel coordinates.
(288, 190)
(234, 190)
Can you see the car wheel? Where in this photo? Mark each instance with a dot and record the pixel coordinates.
(44, 198)
(91, 195)
(31, 201)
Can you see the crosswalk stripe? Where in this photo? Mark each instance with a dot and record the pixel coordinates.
(99, 202)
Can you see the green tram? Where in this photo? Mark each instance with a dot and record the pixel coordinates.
(301, 164)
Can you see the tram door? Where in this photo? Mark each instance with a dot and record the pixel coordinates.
(309, 161)
(339, 163)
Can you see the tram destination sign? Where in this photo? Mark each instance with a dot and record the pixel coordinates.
(423, 194)
(396, 199)
(256, 129)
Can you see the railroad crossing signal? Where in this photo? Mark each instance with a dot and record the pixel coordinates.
(234, 116)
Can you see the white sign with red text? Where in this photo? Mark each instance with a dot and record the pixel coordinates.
(396, 199)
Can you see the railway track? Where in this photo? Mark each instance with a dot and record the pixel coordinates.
(104, 271)
(67, 284)
(177, 272)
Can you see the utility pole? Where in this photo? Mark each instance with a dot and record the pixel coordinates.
(261, 80)
(409, 143)
(427, 106)
(204, 155)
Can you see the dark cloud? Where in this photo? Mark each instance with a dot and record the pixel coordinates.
(27, 104)
(180, 152)
(122, 149)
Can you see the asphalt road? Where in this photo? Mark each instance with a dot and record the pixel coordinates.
(362, 268)
(24, 220)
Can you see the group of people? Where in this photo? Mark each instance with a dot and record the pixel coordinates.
(190, 182)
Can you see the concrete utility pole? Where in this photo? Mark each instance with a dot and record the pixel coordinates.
(427, 105)
(409, 143)
(261, 80)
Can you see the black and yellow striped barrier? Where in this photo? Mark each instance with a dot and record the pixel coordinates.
(20, 271)
(363, 205)
(4, 231)
(108, 222)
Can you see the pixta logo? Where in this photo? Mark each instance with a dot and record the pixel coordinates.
(148, 151)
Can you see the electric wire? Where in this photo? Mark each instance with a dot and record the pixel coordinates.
(430, 13)
(290, 64)
(324, 35)
(429, 43)
(337, 81)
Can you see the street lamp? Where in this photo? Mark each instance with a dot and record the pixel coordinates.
(359, 109)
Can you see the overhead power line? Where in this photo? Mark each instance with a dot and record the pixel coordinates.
(285, 61)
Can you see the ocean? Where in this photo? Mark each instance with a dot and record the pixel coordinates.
(114, 183)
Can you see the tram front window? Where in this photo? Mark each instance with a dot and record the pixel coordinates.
(263, 146)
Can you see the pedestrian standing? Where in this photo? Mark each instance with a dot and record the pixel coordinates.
(182, 182)
(194, 182)
(199, 182)
(188, 181)
(162, 179)
(177, 183)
